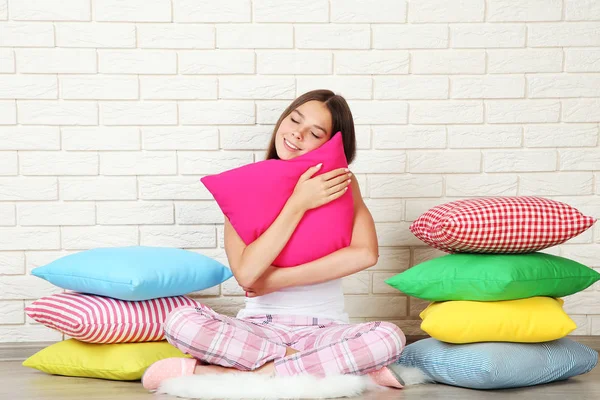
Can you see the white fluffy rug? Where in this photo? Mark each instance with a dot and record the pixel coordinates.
(256, 386)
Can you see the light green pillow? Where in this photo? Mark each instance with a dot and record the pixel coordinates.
(492, 277)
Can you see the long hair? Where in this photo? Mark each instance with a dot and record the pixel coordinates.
(341, 120)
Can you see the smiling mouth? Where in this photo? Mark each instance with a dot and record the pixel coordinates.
(290, 145)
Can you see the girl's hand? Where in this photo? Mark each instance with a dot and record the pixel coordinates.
(315, 192)
(269, 282)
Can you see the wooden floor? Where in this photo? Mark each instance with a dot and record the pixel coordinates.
(18, 382)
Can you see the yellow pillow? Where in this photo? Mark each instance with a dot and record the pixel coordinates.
(531, 320)
(119, 361)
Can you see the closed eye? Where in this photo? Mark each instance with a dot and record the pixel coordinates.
(296, 122)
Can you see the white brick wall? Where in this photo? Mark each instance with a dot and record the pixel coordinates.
(111, 112)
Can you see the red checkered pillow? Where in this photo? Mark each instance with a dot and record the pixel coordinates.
(518, 224)
(97, 319)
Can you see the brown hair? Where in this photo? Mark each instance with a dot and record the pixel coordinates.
(341, 120)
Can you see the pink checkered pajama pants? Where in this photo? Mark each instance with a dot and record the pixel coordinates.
(324, 347)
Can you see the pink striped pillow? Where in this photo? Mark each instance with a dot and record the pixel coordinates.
(97, 319)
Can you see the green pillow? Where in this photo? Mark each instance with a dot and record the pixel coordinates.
(492, 277)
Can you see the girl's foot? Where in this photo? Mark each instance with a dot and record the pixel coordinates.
(211, 369)
(177, 366)
(385, 377)
(167, 368)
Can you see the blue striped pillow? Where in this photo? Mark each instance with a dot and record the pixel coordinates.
(499, 365)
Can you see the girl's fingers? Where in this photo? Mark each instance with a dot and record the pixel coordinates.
(310, 172)
(336, 195)
(337, 180)
(333, 173)
(337, 188)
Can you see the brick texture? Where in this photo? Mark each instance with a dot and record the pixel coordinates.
(111, 112)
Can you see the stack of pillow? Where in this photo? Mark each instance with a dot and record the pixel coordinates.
(114, 307)
(496, 318)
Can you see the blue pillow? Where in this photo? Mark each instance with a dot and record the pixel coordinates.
(134, 273)
(499, 365)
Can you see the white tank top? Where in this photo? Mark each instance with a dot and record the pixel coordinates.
(323, 300)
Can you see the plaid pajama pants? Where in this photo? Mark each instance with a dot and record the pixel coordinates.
(324, 347)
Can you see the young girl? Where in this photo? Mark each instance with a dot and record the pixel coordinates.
(294, 320)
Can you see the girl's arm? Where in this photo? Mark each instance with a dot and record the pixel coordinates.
(361, 254)
(248, 263)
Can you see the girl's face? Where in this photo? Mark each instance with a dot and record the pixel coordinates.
(305, 129)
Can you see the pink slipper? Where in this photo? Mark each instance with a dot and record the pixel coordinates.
(385, 377)
(167, 368)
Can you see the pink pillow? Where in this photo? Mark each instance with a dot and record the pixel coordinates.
(252, 197)
(97, 319)
(518, 224)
